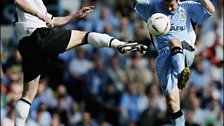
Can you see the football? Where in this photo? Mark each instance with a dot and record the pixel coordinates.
(158, 24)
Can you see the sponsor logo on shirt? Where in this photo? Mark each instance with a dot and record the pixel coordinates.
(177, 28)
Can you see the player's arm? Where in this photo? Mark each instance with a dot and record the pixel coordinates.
(144, 8)
(25, 6)
(209, 6)
(61, 21)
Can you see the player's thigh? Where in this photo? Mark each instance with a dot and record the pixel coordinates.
(76, 39)
(165, 72)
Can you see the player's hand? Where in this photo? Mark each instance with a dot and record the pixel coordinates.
(84, 11)
(46, 19)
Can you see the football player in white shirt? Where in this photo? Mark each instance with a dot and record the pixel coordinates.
(38, 42)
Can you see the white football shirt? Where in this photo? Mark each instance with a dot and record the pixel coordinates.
(27, 23)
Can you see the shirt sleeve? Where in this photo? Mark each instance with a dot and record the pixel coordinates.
(197, 12)
(144, 8)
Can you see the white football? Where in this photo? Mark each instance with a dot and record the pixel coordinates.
(158, 24)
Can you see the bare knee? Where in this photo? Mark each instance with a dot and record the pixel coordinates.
(173, 100)
(175, 43)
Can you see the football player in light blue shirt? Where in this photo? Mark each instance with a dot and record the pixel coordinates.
(176, 48)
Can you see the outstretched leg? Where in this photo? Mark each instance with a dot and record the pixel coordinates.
(23, 104)
(99, 40)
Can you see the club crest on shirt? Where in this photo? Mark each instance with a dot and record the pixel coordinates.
(182, 16)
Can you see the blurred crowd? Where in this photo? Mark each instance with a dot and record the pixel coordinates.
(100, 87)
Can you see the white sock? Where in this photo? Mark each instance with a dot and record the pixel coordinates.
(21, 112)
(102, 40)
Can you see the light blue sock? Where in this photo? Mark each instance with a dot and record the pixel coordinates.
(177, 59)
(178, 119)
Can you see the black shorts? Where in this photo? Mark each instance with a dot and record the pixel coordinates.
(37, 48)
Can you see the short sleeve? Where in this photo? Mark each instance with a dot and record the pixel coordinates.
(197, 12)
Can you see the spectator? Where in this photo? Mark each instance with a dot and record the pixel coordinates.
(43, 117)
(138, 70)
(117, 73)
(87, 120)
(132, 104)
(75, 115)
(97, 80)
(110, 102)
(200, 76)
(8, 120)
(56, 120)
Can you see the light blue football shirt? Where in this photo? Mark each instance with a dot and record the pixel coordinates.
(181, 20)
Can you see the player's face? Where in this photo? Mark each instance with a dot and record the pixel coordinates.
(171, 5)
